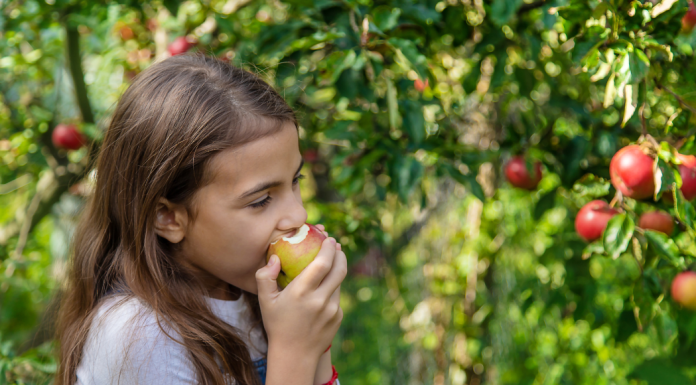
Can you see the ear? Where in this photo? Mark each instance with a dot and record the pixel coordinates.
(171, 221)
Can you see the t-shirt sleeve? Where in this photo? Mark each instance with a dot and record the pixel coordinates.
(126, 346)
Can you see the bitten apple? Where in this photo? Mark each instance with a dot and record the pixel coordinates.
(296, 252)
(684, 289)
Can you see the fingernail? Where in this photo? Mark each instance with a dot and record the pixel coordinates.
(333, 241)
(272, 261)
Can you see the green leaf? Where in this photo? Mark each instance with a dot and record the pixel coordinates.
(660, 372)
(595, 247)
(410, 51)
(664, 246)
(639, 64)
(466, 180)
(618, 234)
(664, 177)
(591, 186)
(392, 105)
(386, 18)
(545, 203)
(503, 10)
(414, 122)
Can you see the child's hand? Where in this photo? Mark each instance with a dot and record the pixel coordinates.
(305, 316)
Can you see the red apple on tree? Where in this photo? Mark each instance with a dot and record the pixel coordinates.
(592, 219)
(296, 252)
(684, 289)
(631, 172)
(420, 85)
(519, 176)
(68, 137)
(689, 19)
(687, 170)
(180, 45)
(126, 33)
(658, 221)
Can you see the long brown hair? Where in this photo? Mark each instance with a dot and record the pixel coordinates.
(168, 125)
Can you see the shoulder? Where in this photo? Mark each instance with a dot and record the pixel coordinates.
(126, 345)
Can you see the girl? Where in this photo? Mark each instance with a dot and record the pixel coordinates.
(168, 283)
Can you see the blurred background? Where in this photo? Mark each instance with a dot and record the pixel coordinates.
(450, 147)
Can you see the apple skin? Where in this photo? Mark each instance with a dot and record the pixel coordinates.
(592, 219)
(68, 137)
(684, 289)
(687, 170)
(179, 45)
(420, 85)
(689, 19)
(631, 172)
(295, 257)
(658, 221)
(518, 175)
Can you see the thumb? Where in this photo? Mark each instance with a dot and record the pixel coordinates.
(266, 277)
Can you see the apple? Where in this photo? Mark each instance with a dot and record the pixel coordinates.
(689, 19)
(658, 221)
(67, 136)
(592, 219)
(126, 33)
(687, 170)
(684, 289)
(631, 172)
(296, 252)
(179, 45)
(311, 155)
(420, 85)
(518, 175)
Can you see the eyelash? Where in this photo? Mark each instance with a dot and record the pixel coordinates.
(268, 198)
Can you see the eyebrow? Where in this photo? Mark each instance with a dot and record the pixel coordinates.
(266, 185)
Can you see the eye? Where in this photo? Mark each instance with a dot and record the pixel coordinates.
(297, 179)
(261, 203)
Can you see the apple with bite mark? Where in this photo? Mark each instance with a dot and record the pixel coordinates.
(684, 289)
(296, 252)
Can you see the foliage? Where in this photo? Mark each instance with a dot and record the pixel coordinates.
(457, 278)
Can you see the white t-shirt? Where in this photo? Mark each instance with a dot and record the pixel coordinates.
(124, 349)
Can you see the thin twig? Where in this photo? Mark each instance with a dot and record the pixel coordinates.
(679, 98)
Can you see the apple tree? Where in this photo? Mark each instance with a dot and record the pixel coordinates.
(511, 179)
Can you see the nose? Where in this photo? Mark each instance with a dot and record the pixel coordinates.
(293, 214)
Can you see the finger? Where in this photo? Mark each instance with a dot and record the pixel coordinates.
(266, 277)
(336, 275)
(320, 227)
(315, 272)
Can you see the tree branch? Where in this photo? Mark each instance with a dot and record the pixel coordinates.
(72, 45)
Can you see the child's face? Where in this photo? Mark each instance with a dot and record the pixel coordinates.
(227, 242)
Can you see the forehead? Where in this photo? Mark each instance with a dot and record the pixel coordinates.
(272, 157)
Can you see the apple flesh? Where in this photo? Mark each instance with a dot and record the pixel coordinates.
(592, 219)
(684, 289)
(296, 252)
(658, 221)
(631, 172)
(518, 175)
(68, 137)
